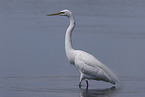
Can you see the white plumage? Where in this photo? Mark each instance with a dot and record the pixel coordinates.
(89, 67)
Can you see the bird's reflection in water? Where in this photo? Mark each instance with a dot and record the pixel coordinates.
(97, 92)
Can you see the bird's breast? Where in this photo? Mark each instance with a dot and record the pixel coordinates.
(70, 56)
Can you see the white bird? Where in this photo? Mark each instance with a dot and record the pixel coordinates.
(89, 67)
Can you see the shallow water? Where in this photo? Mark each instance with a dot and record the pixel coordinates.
(62, 86)
(32, 56)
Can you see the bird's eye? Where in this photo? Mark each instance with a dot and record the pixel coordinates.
(62, 12)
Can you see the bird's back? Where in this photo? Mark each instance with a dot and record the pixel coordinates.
(93, 68)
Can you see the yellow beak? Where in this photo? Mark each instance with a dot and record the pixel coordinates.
(58, 13)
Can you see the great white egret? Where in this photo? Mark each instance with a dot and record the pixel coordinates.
(89, 67)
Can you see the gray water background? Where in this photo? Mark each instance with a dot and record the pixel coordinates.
(32, 56)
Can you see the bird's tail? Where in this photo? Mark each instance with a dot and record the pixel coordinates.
(109, 74)
(113, 78)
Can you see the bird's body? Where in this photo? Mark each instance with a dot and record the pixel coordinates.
(89, 67)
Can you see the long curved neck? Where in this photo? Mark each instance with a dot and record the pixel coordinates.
(68, 43)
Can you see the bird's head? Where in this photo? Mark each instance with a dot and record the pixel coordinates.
(62, 13)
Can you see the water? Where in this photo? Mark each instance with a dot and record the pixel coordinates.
(32, 56)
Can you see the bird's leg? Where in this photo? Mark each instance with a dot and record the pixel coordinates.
(81, 79)
(80, 84)
(87, 84)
